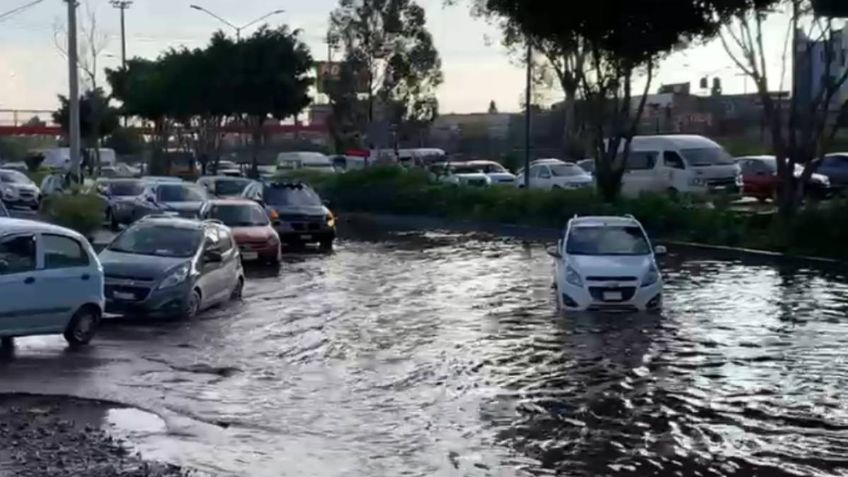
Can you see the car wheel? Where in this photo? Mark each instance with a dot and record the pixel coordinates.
(82, 327)
(238, 291)
(193, 305)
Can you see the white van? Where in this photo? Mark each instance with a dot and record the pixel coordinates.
(59, 158)
(679, 164)
(288, 161)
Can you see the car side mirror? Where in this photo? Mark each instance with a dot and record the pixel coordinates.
(213, 256)
(554, 252)
(660, 250)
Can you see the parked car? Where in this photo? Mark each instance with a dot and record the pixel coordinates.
(835, 167)
(51, 282)
(250, 226)
(15, 166)
(587, 165)
(224, 187)
(163, 179)
(498, 174)
(3, 211)
(178, 199)
(348, 163)
(606, 263)
(228, 169)
(555, 174)
(121, 196)
(171, 267)
(314, 161)
(17, 190)
(759, 176)
(678, 164)
(296, 212)
(458, 173)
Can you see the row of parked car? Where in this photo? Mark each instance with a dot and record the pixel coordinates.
(181, 252)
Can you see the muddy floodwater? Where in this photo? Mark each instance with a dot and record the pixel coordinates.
(428, 354)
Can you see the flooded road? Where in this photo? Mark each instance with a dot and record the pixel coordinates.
(442, 355)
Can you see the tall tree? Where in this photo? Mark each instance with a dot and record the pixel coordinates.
(386, 42)
(618, 42)
(803, 127)
(97, 119)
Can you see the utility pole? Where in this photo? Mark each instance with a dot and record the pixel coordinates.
(122, 5)
(527, 123)
(73, 91)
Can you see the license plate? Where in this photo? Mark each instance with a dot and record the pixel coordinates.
(306, 237)
(613, 296)
(123, 295)
(249, 255)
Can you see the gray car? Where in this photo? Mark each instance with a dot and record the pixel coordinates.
(177, 199)
(120, 196)
(171, 267)
(17, 190)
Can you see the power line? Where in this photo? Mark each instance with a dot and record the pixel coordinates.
(19, 9)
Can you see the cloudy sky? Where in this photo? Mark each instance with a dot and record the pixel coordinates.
(476, 67)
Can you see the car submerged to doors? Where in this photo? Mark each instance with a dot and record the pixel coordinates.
(166, 266)
(296, 211)
(606, 264)
(51, 282)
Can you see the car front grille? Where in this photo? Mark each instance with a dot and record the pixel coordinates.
(124, 278)
(611, 279)
(725, 182)
(26, 194)
(626, 293)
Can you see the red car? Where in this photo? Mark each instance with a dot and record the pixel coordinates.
(252, 230)
(759, 174)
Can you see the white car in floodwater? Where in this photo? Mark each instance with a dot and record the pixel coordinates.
(607, 264)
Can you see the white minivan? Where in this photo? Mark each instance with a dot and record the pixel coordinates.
(679, 164)
(314, 161)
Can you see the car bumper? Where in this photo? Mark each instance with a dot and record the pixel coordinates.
(166, 303)
(22, 202)
(289, 236)
(263, 252)
(601, 297)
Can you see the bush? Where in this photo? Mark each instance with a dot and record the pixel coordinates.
(81, 212)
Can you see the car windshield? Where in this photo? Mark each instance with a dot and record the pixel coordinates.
(297, 196)
(629, 240)
(239, 215)
(14, 177)
(160, 240)
(230, 186)
(180, 193)
(707, 156)
(125, 188)
(566, 170)
(465, 169)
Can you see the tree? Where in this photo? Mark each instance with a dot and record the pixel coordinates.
(387, 43)
(803, 127)
(97, 119)
(493, 107)
(602, 48)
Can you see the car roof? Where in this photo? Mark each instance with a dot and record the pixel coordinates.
(549, 160)
(231, 202)
(169, 220)
(227, 178)
(674, 141)
(604, 221)
(756, 158)
(10, 225)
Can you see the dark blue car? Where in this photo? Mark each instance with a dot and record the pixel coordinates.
(835, 167)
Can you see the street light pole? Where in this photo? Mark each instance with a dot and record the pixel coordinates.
(122, 5)
(73, 91)
(527, 124)
(238, 29)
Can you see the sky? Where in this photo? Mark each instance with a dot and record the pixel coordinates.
(476, 67)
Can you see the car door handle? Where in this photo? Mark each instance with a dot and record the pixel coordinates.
(29, 280)
(85, 276)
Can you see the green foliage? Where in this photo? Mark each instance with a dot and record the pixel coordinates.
(97, 117)
(33, 161)
(125, 141)
(398, 191)
(387, 43)
(81, 212)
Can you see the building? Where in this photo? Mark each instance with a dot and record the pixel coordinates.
(819, 63)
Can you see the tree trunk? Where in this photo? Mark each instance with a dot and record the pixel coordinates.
(257, 145)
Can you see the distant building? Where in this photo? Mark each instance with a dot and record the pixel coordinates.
(812, 66)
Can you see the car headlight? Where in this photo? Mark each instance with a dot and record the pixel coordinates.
(9, 192)
(572, 277)
(331, 220)
(178, 276)
(739, 181)
(651, 276)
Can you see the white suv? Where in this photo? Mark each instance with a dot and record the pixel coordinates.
(607, 263)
